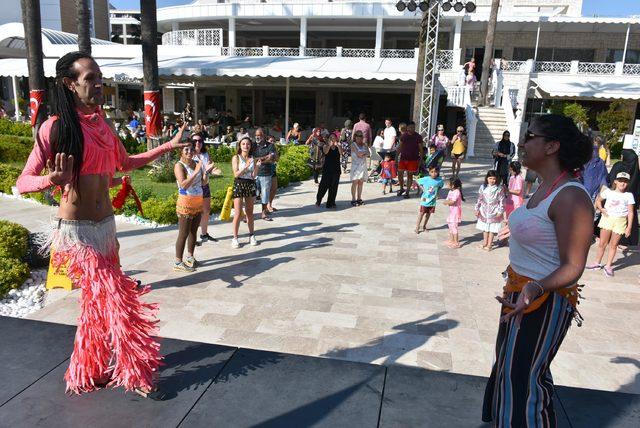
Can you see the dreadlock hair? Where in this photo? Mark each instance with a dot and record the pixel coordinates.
(70, 139)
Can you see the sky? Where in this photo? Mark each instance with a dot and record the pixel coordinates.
(589, 7)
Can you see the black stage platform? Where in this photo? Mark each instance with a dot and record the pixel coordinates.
(220, 386)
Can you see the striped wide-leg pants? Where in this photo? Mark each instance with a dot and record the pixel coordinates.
(519, 392)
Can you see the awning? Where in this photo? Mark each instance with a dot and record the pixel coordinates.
(588, 87)
(403, 69)
(296, 67)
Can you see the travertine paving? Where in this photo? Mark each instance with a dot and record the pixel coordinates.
(359, 284)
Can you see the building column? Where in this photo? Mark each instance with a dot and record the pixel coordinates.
(124, 34)
(457, 37)
(303, 35)
(626, 44)
(16, 104)
(175, 26)
(195, 103)
(535, 52)
(232, 33)
(116, 98)
(286, 108)
(379, 37)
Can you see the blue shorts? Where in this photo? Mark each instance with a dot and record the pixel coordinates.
(264, 186)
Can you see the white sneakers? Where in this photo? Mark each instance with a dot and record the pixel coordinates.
(252, 241)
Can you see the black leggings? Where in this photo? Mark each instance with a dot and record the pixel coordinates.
(187, 228)
(329, 182)
(316, 174)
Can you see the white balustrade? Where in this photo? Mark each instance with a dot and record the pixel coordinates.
(248, 51)
(515, 66)
(199, 37)
(284, 51)
(456, 96)
(631, 69)
(596, 68)
(444, 60)
(358, 53)
(321, 52)
(552, 67)
(397, 53)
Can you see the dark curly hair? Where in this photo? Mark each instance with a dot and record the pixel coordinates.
(516, 167)
(575, 147)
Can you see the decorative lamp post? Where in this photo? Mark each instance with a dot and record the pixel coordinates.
(428, 49)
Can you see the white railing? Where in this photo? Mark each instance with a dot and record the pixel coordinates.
(552, 67)
(247, 52)
(517, 66)
(358, 53)
(397, 53)
(321, 52)
(632, 69)
(596, 68)
(456, 96)
(444, 60)
(201, 37)
(514, 122)
(284, 51)
(225, 51)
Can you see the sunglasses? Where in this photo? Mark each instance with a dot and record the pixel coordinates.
(358, 136)
(531, 135)
(187, 149)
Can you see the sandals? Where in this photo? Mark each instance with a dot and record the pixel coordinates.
(353, 203)
(154, 394)
(595, 266)
(359, 202)
(608, 272)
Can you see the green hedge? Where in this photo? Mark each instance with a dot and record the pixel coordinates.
(15, 149)
(14, 240)
(161, 211)
(14, 243)
(293, 165)
(8, 177)
(221, 154)
(21, 129)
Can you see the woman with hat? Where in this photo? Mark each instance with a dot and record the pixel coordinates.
(549, 240)
(629, 164)
(458, 150)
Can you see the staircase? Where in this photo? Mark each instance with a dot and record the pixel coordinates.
(491, 124)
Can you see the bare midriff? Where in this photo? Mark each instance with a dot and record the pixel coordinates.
(92, 203)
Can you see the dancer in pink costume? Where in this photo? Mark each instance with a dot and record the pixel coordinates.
(114, 344)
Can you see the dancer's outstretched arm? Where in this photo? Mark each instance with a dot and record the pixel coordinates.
(128, 162)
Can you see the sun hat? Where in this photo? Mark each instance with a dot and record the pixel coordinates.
(623, 175)
(440, 127)
(460, 128)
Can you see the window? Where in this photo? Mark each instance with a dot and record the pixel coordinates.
(554, 54)
(615, 55)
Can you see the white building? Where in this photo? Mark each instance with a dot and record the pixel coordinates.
(125, 26)
(324, 60)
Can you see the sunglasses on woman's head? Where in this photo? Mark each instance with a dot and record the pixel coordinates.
(531, 135)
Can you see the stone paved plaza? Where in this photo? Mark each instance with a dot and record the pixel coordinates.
(358, 284)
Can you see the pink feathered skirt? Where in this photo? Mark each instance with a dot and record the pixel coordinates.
(114, 342)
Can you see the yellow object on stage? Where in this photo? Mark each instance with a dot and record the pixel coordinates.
(59, 278)
(225, 214)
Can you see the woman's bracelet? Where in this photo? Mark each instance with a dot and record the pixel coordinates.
(542, 290)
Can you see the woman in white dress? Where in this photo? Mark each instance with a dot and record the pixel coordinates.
(359, 154)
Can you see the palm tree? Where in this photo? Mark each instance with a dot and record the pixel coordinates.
(149, 33)
(33, 40)
(488, 51)
(84, 25)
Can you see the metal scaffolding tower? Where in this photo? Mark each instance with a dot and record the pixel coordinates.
(430, 24)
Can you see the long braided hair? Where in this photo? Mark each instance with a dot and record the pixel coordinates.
(70, 139)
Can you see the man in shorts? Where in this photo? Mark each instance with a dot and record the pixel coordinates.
(411, 151)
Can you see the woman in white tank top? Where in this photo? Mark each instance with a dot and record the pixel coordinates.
(549, 241)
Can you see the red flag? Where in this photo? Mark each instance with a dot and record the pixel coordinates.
(36, 96)
(152, 105)
(125, 191)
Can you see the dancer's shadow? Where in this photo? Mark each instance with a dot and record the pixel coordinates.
(392, 347)
(634, 386)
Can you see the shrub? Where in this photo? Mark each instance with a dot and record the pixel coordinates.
(217, 200)
(221, 154)
(15, 149)
(162, 171)
(8, 177)
(161, 211)
(9, 127)
(14, 240)
(13, 273)
(293, 165)
(613, 123)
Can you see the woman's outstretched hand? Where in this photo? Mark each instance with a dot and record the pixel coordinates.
(61, 169)
(176, 141)
(528, 294)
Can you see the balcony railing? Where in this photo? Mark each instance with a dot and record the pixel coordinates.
(633, 69)
(203, 37)
(596, 68)
(552, 67)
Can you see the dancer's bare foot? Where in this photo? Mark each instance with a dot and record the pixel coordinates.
(454, 245)
(488, 248)
(481, 246)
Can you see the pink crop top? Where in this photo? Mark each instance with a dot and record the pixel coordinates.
(103, 153)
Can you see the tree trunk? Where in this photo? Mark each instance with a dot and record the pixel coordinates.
(488, 51)
(84, 26)
(33, 40)
(149, 33)
(417, 95)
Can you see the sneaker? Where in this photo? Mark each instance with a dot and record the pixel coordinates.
(400, 192)
(608, 272)
(253, 241)
(235, 243)
(594, 266)
(181, 267)
(191, 262)
(207, 237)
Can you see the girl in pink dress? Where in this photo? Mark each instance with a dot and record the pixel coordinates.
(454, 200)
(515, 194)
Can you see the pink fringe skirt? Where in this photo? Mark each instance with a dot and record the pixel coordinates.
(114, 342)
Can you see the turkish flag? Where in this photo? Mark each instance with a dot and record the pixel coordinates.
(36, 97)
(152, 105)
